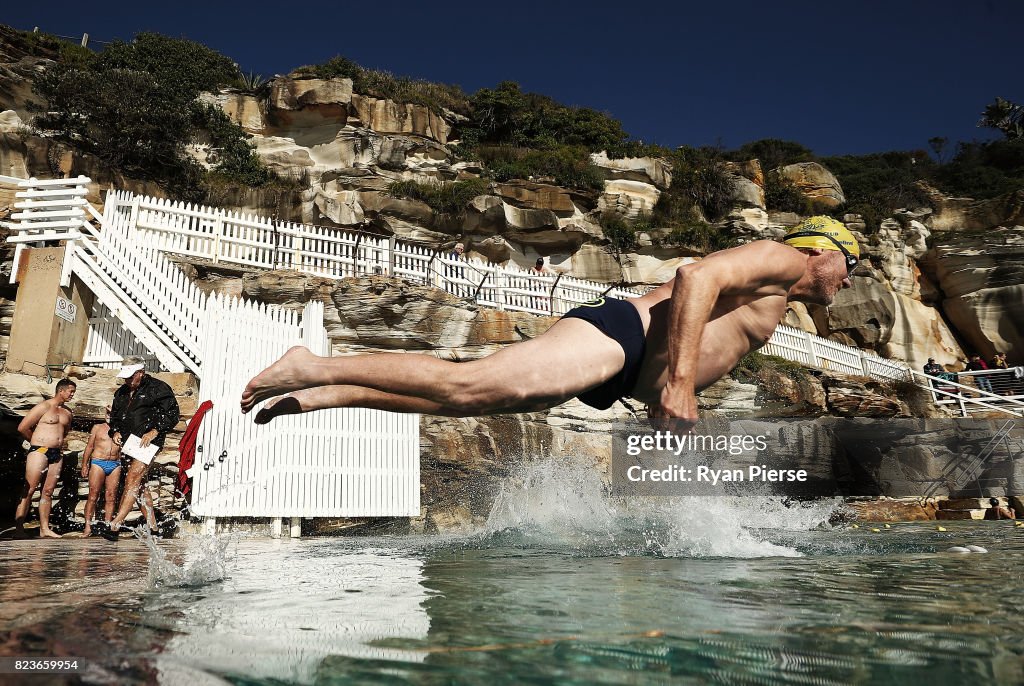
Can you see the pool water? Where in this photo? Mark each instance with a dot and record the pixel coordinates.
(561, 586)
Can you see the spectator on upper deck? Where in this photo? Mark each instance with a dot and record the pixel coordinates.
(977, 364)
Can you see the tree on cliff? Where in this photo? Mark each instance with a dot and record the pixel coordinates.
(134, 107)
(505, 115)
(1004, 116)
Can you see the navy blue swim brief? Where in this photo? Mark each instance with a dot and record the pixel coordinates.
(621, 322)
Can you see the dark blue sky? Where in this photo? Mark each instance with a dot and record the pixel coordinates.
(851, 77)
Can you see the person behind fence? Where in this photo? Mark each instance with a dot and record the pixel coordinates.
(45, 427)
(143, 411)
(976, 364)
(932, 368)
(457, 254)
(659, 349)
(997, 511)
(1004, 381)
(101, 465)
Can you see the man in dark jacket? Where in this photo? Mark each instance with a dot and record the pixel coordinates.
(143, 408)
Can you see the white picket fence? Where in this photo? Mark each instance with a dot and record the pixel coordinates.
(163, 291)
(800, 346)
(331, 463)
(252, 241)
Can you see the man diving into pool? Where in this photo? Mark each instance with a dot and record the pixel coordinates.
(661, 348)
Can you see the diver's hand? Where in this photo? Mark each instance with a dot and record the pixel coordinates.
(678, 403)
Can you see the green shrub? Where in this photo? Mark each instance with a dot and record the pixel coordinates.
(700, 236)
(124, 118)
(772, 153)
(383, 84)
(134, 107)
(507, 116)
(181, 67)
(620, 234)
(445, 199)
(637, 149)
(232, 155)
(781, 194)
(984, 170)
(337, 67)
(877, 184)
(699, 179)
(568, 166)
(643, 223)
(754, 363)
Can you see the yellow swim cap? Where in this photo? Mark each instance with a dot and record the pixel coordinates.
(816, 232)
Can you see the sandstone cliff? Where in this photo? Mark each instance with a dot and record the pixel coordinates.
(925, 289)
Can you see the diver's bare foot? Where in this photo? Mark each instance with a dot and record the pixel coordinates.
(283, 376)
(86, 532)
(47, 533)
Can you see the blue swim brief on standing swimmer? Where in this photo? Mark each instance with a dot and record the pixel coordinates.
(108, 466)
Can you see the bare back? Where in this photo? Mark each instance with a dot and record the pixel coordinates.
(738, 325)
(53, 426)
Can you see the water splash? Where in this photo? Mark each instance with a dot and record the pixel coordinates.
(561, 504)
(203, 560)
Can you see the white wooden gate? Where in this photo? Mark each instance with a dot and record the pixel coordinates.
(331, 463)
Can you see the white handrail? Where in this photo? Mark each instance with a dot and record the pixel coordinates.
(158, 341)
(155, 282)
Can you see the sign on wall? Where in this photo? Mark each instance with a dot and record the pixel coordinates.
(66, 310)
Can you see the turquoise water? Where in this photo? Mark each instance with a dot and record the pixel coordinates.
(558, 588)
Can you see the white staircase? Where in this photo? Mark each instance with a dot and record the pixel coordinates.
(151, 297)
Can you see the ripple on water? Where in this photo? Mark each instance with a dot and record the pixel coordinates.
(548, 591)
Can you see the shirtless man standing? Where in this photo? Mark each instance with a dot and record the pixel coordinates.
(45, 427)
(101, 464)
(660, 349)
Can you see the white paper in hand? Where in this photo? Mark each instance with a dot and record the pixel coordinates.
(133, 448)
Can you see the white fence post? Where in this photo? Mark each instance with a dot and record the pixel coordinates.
(218, 233)
(812, 359)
